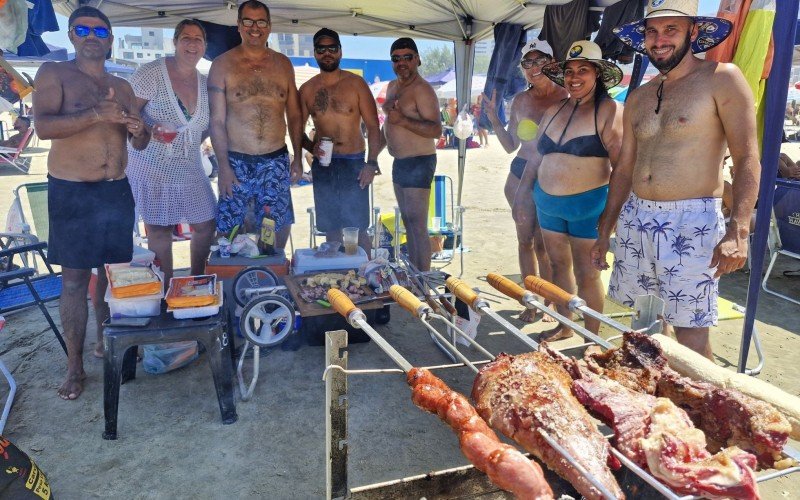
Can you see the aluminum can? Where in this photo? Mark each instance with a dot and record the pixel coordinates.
(326, 145)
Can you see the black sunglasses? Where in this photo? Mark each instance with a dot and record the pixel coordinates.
(330, 49)
(529, 63)
(404, 57)
(83, 31)
(247, 23)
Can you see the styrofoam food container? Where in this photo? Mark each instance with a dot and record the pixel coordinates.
(199, 312)
(134, 307)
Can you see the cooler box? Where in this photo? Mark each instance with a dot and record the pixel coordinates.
(228, 267)
(305, 262)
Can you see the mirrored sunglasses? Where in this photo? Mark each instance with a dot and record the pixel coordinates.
(83, 31)
(404, 57)
(529, 63)
(248, 23)
(330, 49)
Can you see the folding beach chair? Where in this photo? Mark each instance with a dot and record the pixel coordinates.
(13, 156)
(786, 237)
(31, 198)
(314, 232)
(449, 216)
(23, 287)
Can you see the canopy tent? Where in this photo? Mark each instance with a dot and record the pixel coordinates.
(461, 21)
(442, 78)
(448, 90)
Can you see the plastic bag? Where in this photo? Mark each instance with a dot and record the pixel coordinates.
(464, 124)
(244, 246)
(163, 358)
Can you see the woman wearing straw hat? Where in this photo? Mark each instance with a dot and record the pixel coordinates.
(669, 176)
(526, 112)
(578, 143)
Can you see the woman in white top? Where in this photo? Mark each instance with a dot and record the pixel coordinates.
(167, 178)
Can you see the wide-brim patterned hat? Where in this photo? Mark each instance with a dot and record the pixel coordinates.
(584, 50)
(711, 30)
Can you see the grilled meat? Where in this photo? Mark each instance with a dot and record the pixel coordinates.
(659, 436)
(728, 417)
(505, 465)
(521, 395)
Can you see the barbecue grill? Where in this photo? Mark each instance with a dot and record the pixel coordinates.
(465, 481)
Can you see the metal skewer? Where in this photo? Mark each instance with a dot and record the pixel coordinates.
(561, 297)
(408, 301)
(463, 291)
(342, 304)
(528, 299)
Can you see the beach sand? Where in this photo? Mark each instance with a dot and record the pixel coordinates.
(172, 443)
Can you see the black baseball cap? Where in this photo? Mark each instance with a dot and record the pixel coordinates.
(325, 32)
(404, 43)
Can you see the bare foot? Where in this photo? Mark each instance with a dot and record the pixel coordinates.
(72, 387)
(98, 351)
(547, 318)
(558, 333)
(528, 315)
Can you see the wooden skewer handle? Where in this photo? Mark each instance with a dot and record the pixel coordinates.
(505, 286)
(341, 303)
(549, 291)
(462, 290)
(405, 298)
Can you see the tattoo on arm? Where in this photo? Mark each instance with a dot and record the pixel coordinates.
(214, 88)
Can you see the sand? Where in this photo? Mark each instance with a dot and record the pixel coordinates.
(172, 443)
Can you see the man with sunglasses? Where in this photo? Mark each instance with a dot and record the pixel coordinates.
(411, 127)
(89, 115)
(337, 101)
(253, 99)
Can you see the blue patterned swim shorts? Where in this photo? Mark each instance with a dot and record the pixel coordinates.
(665, 248)
(263, 179)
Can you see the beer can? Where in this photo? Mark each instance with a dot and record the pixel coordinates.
(326, 145)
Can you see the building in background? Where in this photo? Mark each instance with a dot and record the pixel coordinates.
(295, 45)
(140, 49)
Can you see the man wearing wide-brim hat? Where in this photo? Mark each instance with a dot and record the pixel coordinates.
(665, 193)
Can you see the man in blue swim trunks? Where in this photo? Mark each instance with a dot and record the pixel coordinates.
(665, 194)
(337, 102)
(412, 124)
(89, 115)
(253, 101)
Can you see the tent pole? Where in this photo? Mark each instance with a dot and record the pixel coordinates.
(465, 62)
(783, 31)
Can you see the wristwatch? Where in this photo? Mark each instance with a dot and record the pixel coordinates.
(374, 163)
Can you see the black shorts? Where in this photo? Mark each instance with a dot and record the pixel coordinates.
(414, 172)
(338, 199)
(518, 166)
(91, 223)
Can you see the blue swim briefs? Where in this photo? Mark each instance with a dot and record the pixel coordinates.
(574, 214)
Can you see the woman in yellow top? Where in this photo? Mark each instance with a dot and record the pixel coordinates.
(526, 111)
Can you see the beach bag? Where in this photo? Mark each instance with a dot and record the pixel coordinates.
(464, 124)
(20, 477)
(163, 358)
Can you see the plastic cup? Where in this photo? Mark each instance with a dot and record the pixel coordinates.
(224, 248)
(350, 240)
(436, 223)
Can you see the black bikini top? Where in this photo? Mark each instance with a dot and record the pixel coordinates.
(584, 146)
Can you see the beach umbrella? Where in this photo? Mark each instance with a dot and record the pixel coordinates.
(5, 106)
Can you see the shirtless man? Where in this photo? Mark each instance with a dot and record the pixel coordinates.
(338, 101)
(412, 124)
(527, 109)
(88, 115)
(21, 125)
(253, 97)
(676, 129)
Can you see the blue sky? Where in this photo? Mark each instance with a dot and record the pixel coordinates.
(363, 47)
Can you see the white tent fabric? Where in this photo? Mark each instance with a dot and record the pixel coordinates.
(462, 21)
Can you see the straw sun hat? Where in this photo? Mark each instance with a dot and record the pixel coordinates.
(711, 30)
(584, 50)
